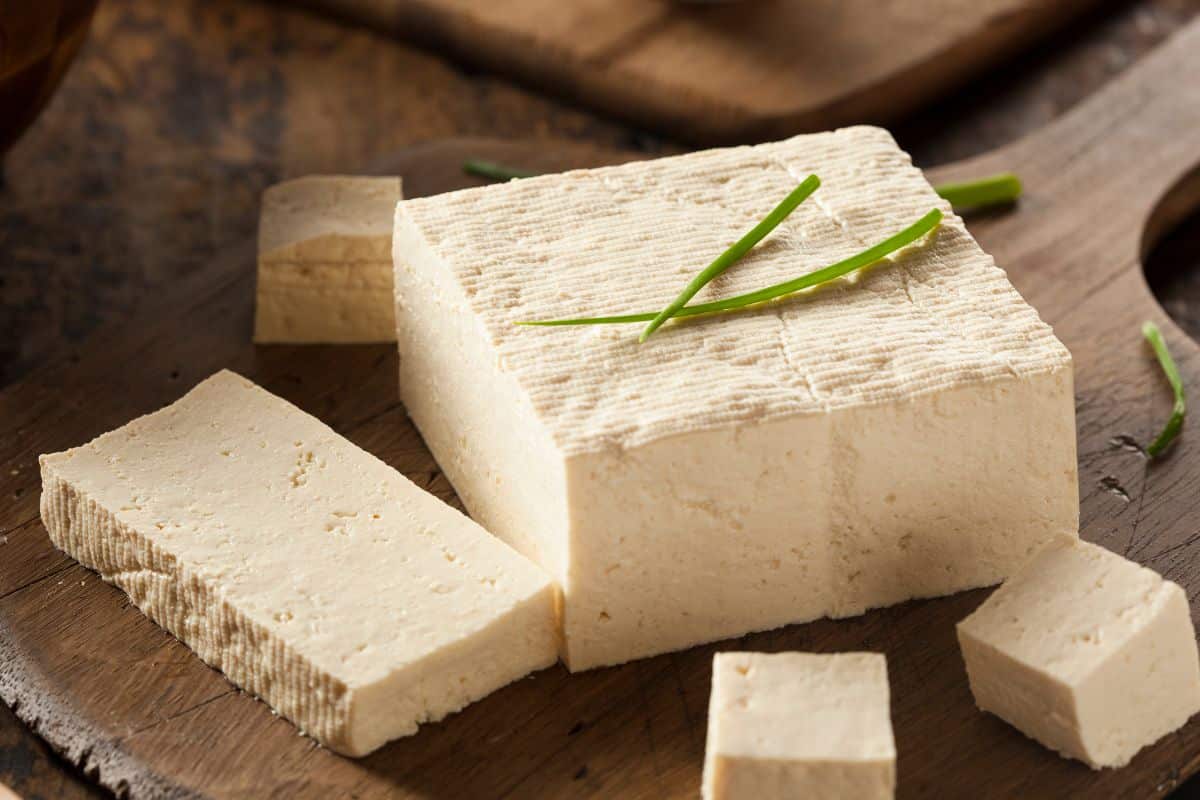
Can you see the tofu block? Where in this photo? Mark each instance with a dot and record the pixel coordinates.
(324, 261)
(790, 725)
(307, 570)
(909, 432)
(1090, 654)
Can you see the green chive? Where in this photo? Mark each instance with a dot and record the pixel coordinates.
(864, 259)
(494, 171)
(735, 252)
(1175, 423)
(993, 190)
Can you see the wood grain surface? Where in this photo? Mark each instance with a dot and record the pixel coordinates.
(711, 73)
(138, 709)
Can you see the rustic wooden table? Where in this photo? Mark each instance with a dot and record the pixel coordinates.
(150, 160)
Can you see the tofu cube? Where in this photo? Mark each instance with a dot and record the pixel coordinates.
(906, 432)
(324, 261)
(1090, 654)
(799, 725)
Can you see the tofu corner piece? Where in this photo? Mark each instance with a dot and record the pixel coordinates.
(307, 570)
(789, 725)
(324, 261)
(909, 432)
(1090, 654)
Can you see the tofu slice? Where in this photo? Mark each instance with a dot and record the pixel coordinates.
(906, 433)
(799, 725)
(1090, 654)
(324, 260)
(307, 570)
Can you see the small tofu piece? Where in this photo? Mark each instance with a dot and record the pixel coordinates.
(906, 432)
(1090, 654)
(807, 725)
(307, 570)
(324, 261)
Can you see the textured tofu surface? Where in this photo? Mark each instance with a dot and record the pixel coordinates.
(905, 433)
(627, 238)
(308, 571)
(324, 260)
(1090, 654)
(799, 725)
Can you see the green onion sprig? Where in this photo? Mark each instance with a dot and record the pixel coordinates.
(1175, 423)
(993, 190)
(867, 257)
(494, 171)
(735, 252)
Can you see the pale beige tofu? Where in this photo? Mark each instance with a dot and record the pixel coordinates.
(324, 261)
(311, 573)
(906, 433)
(1090, 654)
(791, 725)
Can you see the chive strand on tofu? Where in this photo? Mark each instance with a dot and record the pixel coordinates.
(993, 190)
(1179, 410)
(897, 241)
(735, 252)
(494, 171)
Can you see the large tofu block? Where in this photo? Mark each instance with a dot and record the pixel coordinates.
(1090, 654)
(907, 433)
(308, 571)
(324, 260)
(799, 725)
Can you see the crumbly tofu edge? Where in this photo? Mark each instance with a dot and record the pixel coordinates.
(169, 593)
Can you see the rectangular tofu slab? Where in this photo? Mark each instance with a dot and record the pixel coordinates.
(905, 433)
(1090, 654)
(789, 725)
(308, 571)
(324, 260)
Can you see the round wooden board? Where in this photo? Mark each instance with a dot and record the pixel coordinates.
(684, 68)
(139, 711)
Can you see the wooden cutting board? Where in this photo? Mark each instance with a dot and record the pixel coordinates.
(143, 715)
(719, 72)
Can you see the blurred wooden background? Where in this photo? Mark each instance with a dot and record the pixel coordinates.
(150, 160)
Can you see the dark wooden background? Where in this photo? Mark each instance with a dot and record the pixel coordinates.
(149, 162)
